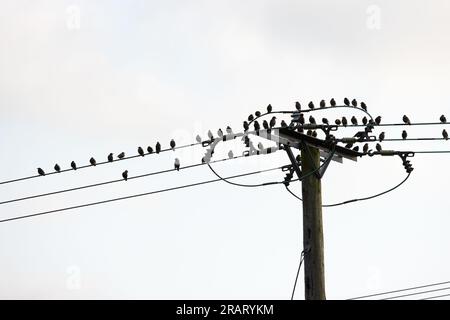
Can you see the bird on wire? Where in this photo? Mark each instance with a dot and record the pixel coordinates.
(322, 104)
(354, 103)
(273, 122)
(57, 168)
(92, 161)
(443, 119)
(406, 120)
(121, 155)
(364, 120)
(312, 120)
(125, 175)
(363, 106)
(311, 105)
(333, 102)
(366, 148)
(258, 114)
(110, 157)
(250, 117)
(73, 165)
(381, 136)
(445, 134)
(347, 102)
(301, 119)
(177, 164)
(298, 106)
(325, 121)
(172, 144)
(265, 125)
(230, 154)
(229, 130)
(378, 147)
(141, 151)
(404, 134)
(245, 125)
(314, 133)
(149, 150)
(356, 148)
(354, 120)
(337, 122)
(158, 147)
(269, 108)
(41, 172)
(220, 133)
(198, 139)
(344, 121)
(378, 120)
(256, 125)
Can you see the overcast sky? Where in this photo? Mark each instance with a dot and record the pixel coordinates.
(85, 78)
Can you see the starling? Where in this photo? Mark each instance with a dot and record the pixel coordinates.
(172, 144)
(273, 121)
(269, 108)
(245, 126)
(177, 164)
(353, 120)
(381, 137)
(404, 134)
(354, 103)
(125, 175)
(325, 121)
(229, 130)
(364, 120)
(210, 135)
(141, 151)
(378, 120)
(363, 106)
(338, 122)
(378, 147)
(312, 120)
(256, 125)
(301, 119)
(149, 149)
(406, 120)
(309, 132)
(322, 104)
(230, 154)
(250, 117)
(110, 157)
(356, 149)
(121, 155)
(41, 172)
(445, 134)
(220, 133)
(311, 105)
(298, 106)
(346, 102)
(349, 145)
(366, 147)
(314, 134)
(198, 139)
(443, 119)
(258, 114)
(158, 147)
(333, 102)
(93, 162)
(73, 165)
(344, 121)
(265, 125)
(283, 124)
(57, 168)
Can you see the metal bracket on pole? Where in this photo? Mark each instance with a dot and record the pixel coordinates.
(293, 161)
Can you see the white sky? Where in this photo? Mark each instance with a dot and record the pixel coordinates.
(116, 76)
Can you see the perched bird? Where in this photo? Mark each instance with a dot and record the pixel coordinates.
(378, 120)
(325, 121)
(125, 175)
(312, 120)
(344, 121)
(338, 122)
(57, 168)
(322, 104)
(404, 134)
(198, 139)
(298, 106)
(363, 106)
(356, 148)
(349, 145)
(245, 126)
(220, 133)
(445, 134)
(250, 117)
(311, 105)
(269, 108)
(229, 130)
(283, 124)
(406, 120)
(309, 132)
(378, 147)
(73, 165)
(149, 149)
(333, 102)
(346, 102)
(92, 162)
(314, 134)
(172, 144)
(258, 114)
(272, 122)
(110, 157)
(260, 146)
(265, 124)
(298, 158)
(443, 119)
(366, 147)
(141, 151)
(381, 137)
(177, 164)
(354, 120)
(230, 154)
(256, 125)
(121, 155)
(301, 119)
(364, 120)
(158, 147)
(354, 103)
(41, 172)
(210, 135)
(247, 141)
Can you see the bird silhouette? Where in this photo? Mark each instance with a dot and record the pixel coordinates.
(354, 103)
(230, 154)
(333, 102)
(301, 119)
(445, 134)
(443, 119)
(349, 145)
(322, 104)
(354, 120)
(110, 157)
(311, 105)
(73, 165)
(338, 122)
(220, 133)
(172, 144)
(121, 155)
(363, 106)
(312, 120)
(325, 121)
(314, 133)
(125, 175)
(177, 164)
(57, 168)
(265, 124)
(229, 130)
(247, 141)
(92, 162)
(356, 148)
(378, 147)
(283, 124)
(269, 108)
(149, 149)
(256, 125)
(381, 137)
(404, 134)
(378, 120)
(158, 147)
(406, 120)
(366, 147)
(41, 172)
(258, 114)
(344, 121)
(141, 151)
(364, 120)
(250, 117)
(309, 132)
(346, 102)
(273, 121)
(198, 139)
(298, 106)
(245, 124)
(210, 135)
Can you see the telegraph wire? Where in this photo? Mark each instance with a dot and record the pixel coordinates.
(435, 297)
(416, 293)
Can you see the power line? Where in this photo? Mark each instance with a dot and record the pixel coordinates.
(435, 297)
(135, 195)
(416, 293)
(302, 256)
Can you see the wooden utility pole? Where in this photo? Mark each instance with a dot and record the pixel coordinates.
(312, 226)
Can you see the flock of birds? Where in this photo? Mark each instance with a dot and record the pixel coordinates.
(268, 125)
